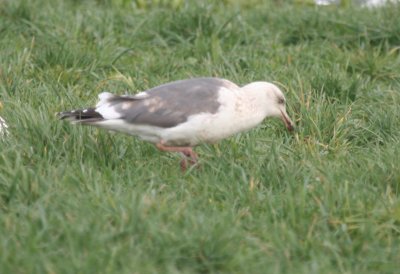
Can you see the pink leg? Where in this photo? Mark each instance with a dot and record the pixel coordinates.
(190, 155)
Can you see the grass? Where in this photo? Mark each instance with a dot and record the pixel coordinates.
(81, 200)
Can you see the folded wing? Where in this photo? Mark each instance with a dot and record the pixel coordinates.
(164, 106)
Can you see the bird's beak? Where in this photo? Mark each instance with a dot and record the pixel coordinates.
(288, 122)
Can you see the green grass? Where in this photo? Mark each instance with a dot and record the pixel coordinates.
(80, 200)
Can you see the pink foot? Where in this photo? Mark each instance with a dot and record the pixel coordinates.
(190, 157)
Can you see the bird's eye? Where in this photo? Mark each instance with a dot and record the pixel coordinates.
(281, 101)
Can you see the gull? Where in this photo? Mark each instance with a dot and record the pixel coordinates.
(180, 115)
(3, 128)
(3, 125)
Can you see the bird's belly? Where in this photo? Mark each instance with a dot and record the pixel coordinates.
(207, 128)
(148, 133)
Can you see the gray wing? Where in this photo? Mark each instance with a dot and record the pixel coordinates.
(171, 104)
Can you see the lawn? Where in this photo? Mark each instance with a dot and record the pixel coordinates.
(325, 199)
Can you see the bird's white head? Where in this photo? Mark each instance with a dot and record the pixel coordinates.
(272, 99)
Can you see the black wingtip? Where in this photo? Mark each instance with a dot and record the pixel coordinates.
(80, 115)
(63, 115)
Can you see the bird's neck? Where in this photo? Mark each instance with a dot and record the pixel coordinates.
(250, 108)
(254, 101)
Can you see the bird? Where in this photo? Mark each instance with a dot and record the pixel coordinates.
(179, 115)
(3, 125)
